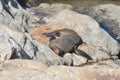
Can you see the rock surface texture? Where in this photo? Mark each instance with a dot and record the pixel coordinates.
(17, 43)
(30, 70)
(107, 14)
(24, 50)
(88, 29)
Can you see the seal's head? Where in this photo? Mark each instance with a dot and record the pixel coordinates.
(56, 33)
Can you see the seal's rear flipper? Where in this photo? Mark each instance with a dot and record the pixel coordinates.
(84, 54)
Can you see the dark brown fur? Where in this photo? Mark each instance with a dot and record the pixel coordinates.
(72, 35)
(67, 42)
(65, 45)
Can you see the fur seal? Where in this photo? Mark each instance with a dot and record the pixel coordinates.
(71, 34)
(64, 45)
(67, 42)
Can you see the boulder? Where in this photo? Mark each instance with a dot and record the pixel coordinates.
(98, 41)
(16, 40)
(73, 59)
(117, 61)
(14, 15)
(22, 46)
(17, 43)
(38, 15)
(46, 55)
(107, 14)
(30, 70)
(54, 6)
(9, 44)
(100, 45)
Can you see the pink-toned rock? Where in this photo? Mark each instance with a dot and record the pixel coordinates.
(30, 70)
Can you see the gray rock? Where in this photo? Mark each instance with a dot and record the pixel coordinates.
(96, 52)
(21, 45)
(54, 6)
(117, 62)
(13, 15)
(89, 30)
(46, 55)
(11, 44)
(68, 59)
(44, 11)
(73, 59)
(78, 60)
(108, 14)
(5, 49)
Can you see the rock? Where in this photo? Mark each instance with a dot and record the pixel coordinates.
(27, 59)
(95, 37)
(98, 41)
(9, 14)
(61, 6)
(13, 15)
(19, 63)
(78, 60)
(108, 14)
(13, 42)
(46, 55)
(117, 62)
(73, 59)
(68, 59)
(22, 46)
(30, 70)
(20, 68)
(40, 14)
(96, 52)
(104, 64)
(54, 6)
(81, 73)
(6, 52)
